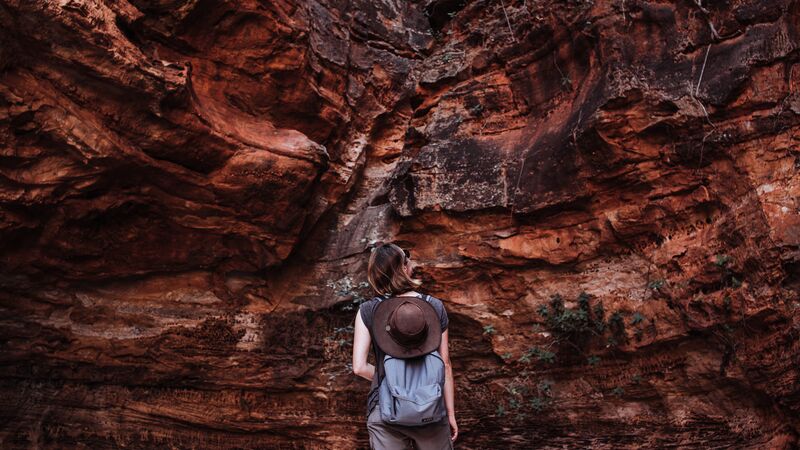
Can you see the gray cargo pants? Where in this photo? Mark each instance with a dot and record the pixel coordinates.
(384, 436)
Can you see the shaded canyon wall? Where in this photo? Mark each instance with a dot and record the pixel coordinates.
(604, 194)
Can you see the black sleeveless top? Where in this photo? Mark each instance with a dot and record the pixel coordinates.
(367, 310)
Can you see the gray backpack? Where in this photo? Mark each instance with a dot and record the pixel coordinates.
(412, 390)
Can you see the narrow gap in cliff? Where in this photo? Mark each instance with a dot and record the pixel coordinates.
(415, 101)
(535, 216)
(707, 289)
(380, 199)
(792, 270)
(440, 12)
(127, 31)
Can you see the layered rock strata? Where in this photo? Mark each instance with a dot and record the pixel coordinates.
(605, 195)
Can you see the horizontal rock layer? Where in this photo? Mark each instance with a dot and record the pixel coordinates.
(604, 194)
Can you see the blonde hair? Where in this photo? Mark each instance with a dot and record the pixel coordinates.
(386, 271)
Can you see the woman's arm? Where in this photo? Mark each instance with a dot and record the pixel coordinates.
(449, 389)
(361, 341)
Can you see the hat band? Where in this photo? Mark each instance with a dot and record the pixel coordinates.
(409, 340)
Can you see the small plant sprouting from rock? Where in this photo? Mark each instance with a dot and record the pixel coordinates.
(489, 329)
(523, 399)
(566, 323)
(544, 395)
(539, 403)
(541, 354)
(514, 388)
(476, 110)
(340, 336)
(656, 284)
(578, 325)
(599, 318)
(543, 311)
(347, 330)
(345, 287)
(545, 386)
(728, 276)
(335, 348)
(583, 301)
(572, 329)
(617, 327)
(722, 260)
(637, 320)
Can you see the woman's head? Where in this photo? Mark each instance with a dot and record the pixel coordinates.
(389, 270)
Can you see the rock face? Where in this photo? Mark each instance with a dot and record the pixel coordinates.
(604, 194)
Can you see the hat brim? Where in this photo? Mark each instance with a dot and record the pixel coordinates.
(384, 339)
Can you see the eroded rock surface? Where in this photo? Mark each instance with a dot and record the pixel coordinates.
(190, 190)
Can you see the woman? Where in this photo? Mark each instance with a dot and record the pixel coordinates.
(389, 273)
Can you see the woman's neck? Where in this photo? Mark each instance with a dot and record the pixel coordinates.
(408, 294)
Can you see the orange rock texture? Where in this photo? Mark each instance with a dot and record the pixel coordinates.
(604, 193)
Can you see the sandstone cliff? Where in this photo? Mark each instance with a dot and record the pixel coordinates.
(604, 193)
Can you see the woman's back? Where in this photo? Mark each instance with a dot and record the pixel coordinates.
(405, 329)
(367, 310)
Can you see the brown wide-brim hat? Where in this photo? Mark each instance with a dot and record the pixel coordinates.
(395, 315)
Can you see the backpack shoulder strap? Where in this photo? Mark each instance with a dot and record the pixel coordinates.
(379, 369)
(379, 366)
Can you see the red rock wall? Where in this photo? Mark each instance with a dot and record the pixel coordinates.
(189, 190)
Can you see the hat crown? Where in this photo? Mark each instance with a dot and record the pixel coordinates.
(407, 325)
(408, 319)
